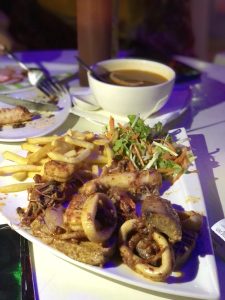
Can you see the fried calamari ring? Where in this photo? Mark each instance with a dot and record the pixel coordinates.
(138, 264)
(98, 217)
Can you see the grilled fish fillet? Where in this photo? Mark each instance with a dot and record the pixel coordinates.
(14, 115)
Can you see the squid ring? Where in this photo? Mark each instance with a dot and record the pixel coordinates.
(137, 264)
(93, 228)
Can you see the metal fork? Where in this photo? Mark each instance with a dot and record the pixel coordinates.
(38, 77)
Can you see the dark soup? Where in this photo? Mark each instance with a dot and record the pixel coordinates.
(134, 78)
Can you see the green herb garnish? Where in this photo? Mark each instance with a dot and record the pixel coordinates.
(149, 147)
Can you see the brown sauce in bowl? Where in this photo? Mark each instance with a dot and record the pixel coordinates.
(134, 78)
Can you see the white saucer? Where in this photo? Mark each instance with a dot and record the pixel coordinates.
(83, 102)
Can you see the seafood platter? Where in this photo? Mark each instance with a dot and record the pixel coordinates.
(125, 203)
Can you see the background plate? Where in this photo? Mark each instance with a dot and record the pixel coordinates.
(46, 123)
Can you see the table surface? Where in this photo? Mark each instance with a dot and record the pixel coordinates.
(204, 121)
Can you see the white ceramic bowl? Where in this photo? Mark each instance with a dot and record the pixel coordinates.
(125, 100)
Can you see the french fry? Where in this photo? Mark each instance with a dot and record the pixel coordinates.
(19, 168)
(82, 155)
(70, 153)
(99, 160)
(101, 142)
(14, 157)
(30, 147)
(79, 143)
(41, 153)
(16, 187)
(44, 160)
(43, 140)
(57, 156)
(20, 176)
(32, 174)
(75, 134)
(61, 146)
(57, 142)
(95, 170)
(89, 135)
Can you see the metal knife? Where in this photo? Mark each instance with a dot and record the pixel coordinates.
(31, 105)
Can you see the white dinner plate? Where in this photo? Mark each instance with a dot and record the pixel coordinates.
(56, 69)
(42, 124)
(199, 278)
(177, 104)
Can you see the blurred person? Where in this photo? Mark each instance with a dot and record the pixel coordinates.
(34, 26)
(5, 38)
(146, 28)
(154, 29)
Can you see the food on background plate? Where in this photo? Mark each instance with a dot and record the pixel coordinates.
(10, 74)
(18, 115)
(85, 199)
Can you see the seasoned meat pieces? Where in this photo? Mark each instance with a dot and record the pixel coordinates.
(59, 171)
(11, 74)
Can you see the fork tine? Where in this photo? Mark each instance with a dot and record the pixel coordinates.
(61, 87)
(44, 90)
(56, 85)
(52, 86)
(64, 88)
(48, 86)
